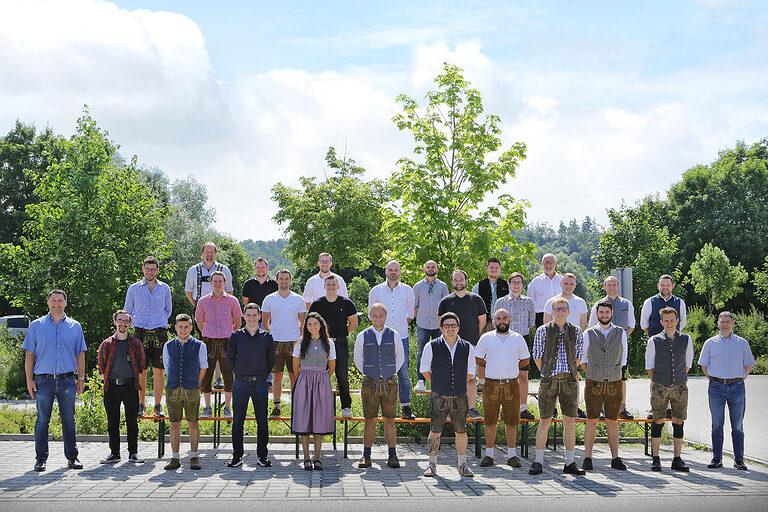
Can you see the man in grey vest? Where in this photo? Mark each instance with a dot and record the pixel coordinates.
(378, 354)
(668, 357)
(603, 355)
(624, 317)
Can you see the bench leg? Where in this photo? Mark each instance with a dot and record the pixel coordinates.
(477, 439)
(346, 436)
(297, 447)
(645, 432)
(161, 439)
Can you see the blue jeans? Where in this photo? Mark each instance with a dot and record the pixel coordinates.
(422, 337)
(243, 391)
(733, 395)
(65, 391)
(403, 382)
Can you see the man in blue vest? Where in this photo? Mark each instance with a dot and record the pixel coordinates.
(185, 360)
(650, 319)
(668, 357)
(448, 363)
(379, 354)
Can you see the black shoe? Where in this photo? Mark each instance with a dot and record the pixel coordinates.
(656, 464)
(218, 384)
(601, 417)
(134, 457)
(624, 415)
(536, 468)
(573, 469)
(265, 463)
(407, 414)
(587, 464)
(739, 464)
(275, 412)
(669, 414)
(554, 414)
(581, 414)
(617, 463)
(679, 465)
(269, 385)
(39, 465)
(74, 464)
(716, 463)
(526, 415)
(110, 459)
(486, 462)
(236, 462)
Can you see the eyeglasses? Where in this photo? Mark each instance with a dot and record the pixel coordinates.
(122, 321)
(450, 326)
(559, 310)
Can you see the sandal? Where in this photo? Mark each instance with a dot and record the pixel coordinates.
(308, 465)
(318, 465)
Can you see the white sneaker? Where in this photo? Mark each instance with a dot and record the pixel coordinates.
(465, 471)
(431, 470)
(346, 413)
(420, 386)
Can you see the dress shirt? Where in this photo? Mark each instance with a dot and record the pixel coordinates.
(542, 288)
(561, 365)
(645, 313)
(576, 307)
(650, 352)
(522, 313)
(585, 346)
(56, 346)
(426, 356)
(630, 316)
(726, 358)
(251, 355)
(190, 285)
(358, 350)
(202, 356)
(502, 354)
(149, 309)
(315, 287)
(399, 303)
(217, 315)
(427, 298)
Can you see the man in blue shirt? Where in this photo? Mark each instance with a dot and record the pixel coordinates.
(55, 354)
(149, 304)
(727, 360)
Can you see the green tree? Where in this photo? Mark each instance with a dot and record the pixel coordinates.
(760, 282)
(440, 207)
(341, 215)
(713, 276)
(271, 250)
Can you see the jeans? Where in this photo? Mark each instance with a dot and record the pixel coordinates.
(342, 372)
(243, 391)
(128, 395)
(422, 337)
(65, 391)
(403, 383)
(735, 396)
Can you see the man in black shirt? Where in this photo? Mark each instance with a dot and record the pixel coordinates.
(340, 314)
(260, 285)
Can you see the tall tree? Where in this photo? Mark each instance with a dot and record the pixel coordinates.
(713, 276)
(440, 207)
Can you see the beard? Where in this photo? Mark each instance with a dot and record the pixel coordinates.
(502, 328)
(459, 287)
(430, 273)
(604, 324)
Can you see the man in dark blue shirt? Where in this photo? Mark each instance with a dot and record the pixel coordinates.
(251, 355)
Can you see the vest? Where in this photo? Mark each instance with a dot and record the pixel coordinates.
(669, 363)
(604, 354)
(620, 311)
(183, 364)
(552, 344)
(449, 378)
(379, 360)
(657, 304)
(484, 291)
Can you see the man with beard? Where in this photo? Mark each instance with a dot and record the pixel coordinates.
(491, 289)
(427, 294)
(502, 353)
(650, 319)
(260, 285)
(315, 287)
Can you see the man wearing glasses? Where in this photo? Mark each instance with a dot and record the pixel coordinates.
(427, 296)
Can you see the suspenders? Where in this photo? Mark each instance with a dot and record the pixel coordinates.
(216, 267)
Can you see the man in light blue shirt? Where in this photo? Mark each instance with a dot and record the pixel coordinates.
(427, 296)
(55, 353)
(727, 360)
(149, 304)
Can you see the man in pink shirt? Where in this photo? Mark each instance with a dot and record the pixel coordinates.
(218, 315)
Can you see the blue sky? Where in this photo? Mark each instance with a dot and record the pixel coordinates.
(614, 99)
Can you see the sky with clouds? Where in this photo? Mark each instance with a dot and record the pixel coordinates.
(613, 99)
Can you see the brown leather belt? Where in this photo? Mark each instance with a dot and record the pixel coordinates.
(727, 381)
(502, 381)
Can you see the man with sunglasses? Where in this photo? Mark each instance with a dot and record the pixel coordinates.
(427, 296)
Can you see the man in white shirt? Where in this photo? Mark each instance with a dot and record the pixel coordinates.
(399, 301)
(544, 286)
(502, 353)
(315, 286)
(198, 282)
(282, 314)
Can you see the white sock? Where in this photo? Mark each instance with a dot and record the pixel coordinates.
(540, 456)
(193, 454)
(511, 452)
(175, 455)
(406, 405)
(568, 457)
(523, 407)
(462, 459)
(433, 459)
(480, 381)
(489, 452)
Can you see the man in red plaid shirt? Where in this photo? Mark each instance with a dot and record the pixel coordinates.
(121, 361)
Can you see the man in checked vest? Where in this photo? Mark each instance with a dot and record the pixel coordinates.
(603, 355)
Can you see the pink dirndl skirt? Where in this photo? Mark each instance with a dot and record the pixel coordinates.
(312, 407)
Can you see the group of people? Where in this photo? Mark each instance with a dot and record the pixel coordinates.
(467, 343)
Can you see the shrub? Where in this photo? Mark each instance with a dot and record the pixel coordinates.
(13, 380)
(701, 326)
(753, 327)
(90, 417)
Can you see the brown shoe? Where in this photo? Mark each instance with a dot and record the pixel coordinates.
(173, 464)
(393, 462)
(364, 463)
(194, 463)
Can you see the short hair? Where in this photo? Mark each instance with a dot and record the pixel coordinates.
(560, 300)
(667, 276)
(283, 271)
(120, 312)
(610, 278)
(493, 259)
(218, 273)
(252, 305)
(549, 254)
(324, 254)
(726, 313)
(668, 311)
(149, 260)
(460, 271)
(260, 260)
(515, 274)
(446, 316)
(603, 304)
(570, 274)
(376, 305)
(57, 291)
(206, 244)
(183, 317)
(330, 277)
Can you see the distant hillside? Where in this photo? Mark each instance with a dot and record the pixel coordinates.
(271, 250)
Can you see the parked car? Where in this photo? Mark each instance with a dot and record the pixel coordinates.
(17, 324)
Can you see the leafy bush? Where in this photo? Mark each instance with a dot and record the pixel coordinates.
(753, 327)
(91, 417)
(13, 380)
(761, 366)
(701, 326)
